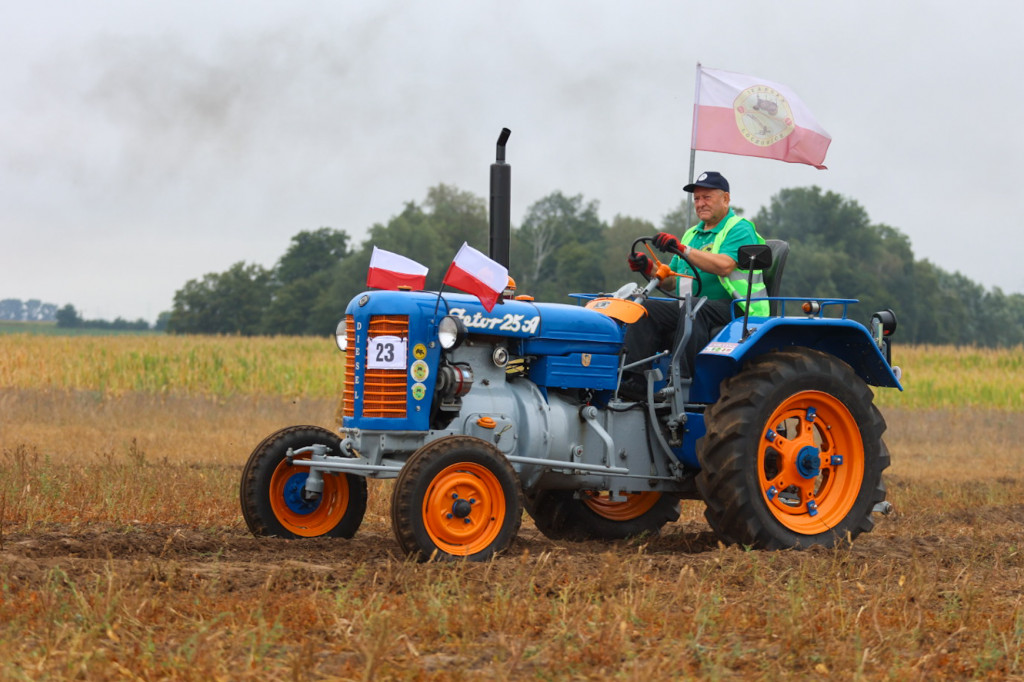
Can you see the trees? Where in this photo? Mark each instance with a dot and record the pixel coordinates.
(563, 246)
(299, 277)
(559, 248)
(836, 251)
(232, 302)
(68, 318)
(32, 310)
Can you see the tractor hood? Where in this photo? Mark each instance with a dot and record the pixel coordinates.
(545, 328)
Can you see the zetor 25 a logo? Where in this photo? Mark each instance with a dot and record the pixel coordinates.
(509, 322)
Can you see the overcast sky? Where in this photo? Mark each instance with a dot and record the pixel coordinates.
(144, 144)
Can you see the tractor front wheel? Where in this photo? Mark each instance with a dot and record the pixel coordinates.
(793, 455)
(592, 515)
(456, 497)
(273, 490)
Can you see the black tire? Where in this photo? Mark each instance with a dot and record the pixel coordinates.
(456, 498)
(793, 455)
(588, 515)
(271, 490)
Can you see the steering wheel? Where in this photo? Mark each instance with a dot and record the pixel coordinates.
(647, 241)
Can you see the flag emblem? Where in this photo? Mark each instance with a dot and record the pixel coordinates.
(763, 115)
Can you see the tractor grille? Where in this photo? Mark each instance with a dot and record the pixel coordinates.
(383, 390)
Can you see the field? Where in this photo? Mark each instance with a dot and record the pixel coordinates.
(123, 554)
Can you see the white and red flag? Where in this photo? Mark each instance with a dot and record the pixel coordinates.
(476, 274)
(738, 114)
(390, 271)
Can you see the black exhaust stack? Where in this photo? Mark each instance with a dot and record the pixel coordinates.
(501, 204)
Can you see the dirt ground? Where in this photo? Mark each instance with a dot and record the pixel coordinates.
(936, 590)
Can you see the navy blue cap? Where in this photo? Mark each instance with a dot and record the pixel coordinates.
(711, 180)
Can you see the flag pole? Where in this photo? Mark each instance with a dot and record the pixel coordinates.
(693, 150)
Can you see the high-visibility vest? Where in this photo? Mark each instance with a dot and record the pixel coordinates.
(736, 281)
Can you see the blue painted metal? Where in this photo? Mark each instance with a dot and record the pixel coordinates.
(293, 498)
(569, 346)
(695, 430)
(843, 338)
(808, 462)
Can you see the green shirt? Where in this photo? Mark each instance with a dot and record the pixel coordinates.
(742, 233)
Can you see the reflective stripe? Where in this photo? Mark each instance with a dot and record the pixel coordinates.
(736, 282)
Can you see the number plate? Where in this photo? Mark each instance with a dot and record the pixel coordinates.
(386, 352)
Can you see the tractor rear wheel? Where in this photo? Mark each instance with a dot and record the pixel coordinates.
(456, 498)
(273, 496)
(592, 515)
(793, 455)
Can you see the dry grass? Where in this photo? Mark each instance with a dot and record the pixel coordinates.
(123, 556)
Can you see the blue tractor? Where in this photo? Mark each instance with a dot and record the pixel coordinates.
(479, 414)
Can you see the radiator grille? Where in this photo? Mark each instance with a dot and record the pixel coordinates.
(383, 391)
(348, 406)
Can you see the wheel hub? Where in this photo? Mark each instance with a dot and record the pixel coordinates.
(295, 498)
(808, 462)
(461, 508)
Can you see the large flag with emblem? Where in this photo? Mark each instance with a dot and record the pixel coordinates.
(390, 271)
(750, 116)
(476, 274)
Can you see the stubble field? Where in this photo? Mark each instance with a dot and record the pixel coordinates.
(123, 554)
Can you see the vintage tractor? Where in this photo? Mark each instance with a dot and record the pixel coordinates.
(479, 414)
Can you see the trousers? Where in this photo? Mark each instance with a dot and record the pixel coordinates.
(664, 323)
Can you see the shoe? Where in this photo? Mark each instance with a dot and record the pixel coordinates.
(633, 387)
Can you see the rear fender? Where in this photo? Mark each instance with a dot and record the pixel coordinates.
(846, 339)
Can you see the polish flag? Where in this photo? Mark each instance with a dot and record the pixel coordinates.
(389, 271)
(476, 274)
(750, 116)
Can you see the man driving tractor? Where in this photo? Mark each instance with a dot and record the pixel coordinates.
(707, 251)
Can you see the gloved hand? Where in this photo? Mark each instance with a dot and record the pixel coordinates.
(667, 243)
(639, 262)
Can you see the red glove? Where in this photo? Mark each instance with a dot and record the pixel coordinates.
(669, 244)
(639, 262)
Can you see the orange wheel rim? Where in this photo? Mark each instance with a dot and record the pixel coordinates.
(810, 462)
(464, 509)
(634, 506)
(300, 516)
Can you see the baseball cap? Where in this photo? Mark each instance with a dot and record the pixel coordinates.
(710, 179)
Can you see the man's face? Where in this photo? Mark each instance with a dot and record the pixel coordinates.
(711, 205)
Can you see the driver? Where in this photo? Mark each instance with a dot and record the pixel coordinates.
(711, 246)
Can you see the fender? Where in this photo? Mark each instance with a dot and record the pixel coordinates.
(846, 339)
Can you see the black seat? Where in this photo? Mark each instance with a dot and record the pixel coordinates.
(773, 275)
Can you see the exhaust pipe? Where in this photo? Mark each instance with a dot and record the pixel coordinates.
(501, 204)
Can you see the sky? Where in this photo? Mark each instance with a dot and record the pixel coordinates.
(146, 144)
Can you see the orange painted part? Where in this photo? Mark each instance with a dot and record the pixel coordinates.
(618, 309)
(833, 432)
(476, 531)
(634, 506)
(384, 391)
(333, 503)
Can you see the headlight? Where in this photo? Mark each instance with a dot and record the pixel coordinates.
(341, 335)
(451, 332)
(883, 324)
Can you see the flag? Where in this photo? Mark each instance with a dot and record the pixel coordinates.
(476, 274)
(389, 271)
(750, 116)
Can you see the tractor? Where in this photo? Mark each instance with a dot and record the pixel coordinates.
(481, 414)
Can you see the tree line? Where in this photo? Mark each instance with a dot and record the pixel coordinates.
(564, 246)
(32, 310)
(69, 318)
